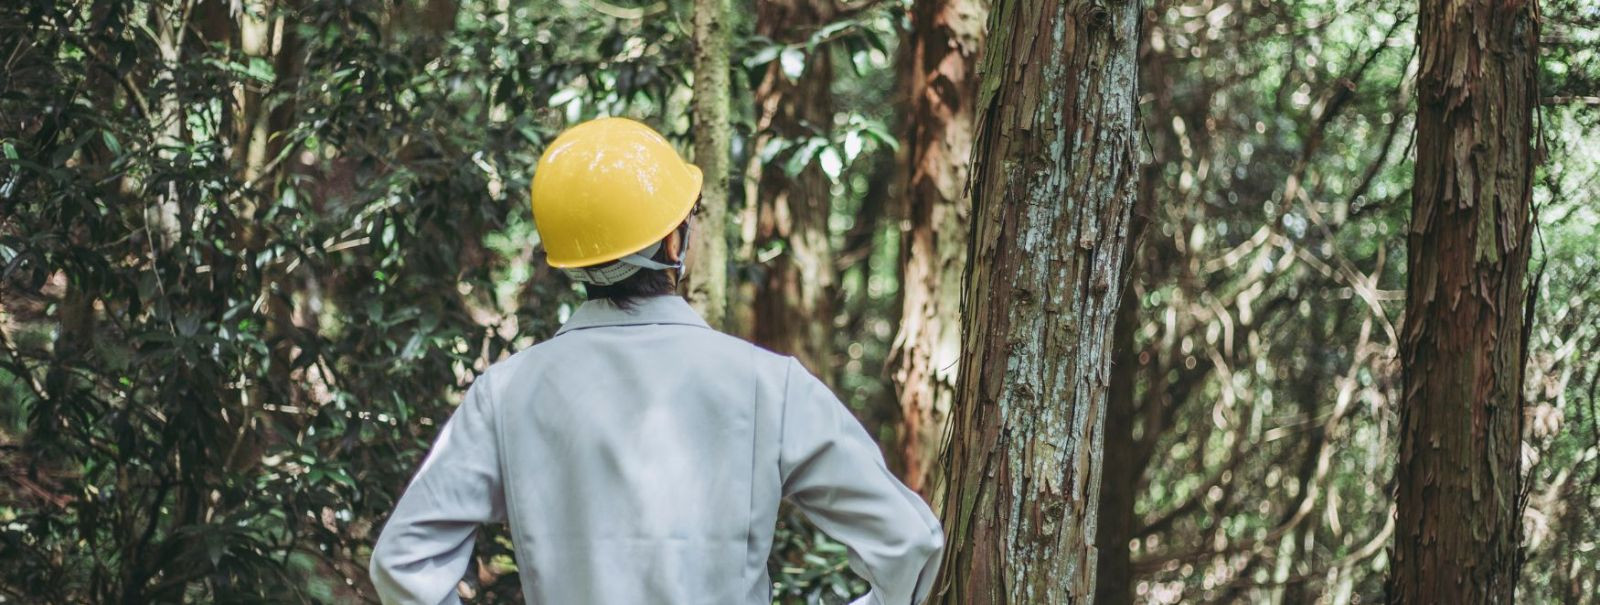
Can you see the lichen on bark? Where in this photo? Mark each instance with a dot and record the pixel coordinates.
(1053, 183)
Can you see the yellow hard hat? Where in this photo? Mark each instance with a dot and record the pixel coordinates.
(607, 188)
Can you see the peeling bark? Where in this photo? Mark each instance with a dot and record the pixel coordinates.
(1054, 181)
(946, 36)
(1458, 478)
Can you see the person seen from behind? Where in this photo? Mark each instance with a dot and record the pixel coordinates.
(639, 456)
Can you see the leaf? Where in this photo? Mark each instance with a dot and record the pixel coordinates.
(564, 96)
(764, 56)
(860, 58)
(260, 69)
(412, 346)
(793, 63)
(340, 477)
(215, 547)
(111, 143)
(827, 31)
(803, 156)
(874, 39)
(773, 149)
(832, 164)
(877, 132)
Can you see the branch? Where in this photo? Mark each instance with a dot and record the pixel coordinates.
(1570, 100)
(626, 12)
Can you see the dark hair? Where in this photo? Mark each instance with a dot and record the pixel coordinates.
(645, 283)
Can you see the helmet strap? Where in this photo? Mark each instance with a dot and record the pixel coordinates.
(683, 250)
(625, 267)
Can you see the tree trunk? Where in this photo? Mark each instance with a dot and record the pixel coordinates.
(945, 39)
(1458, 508)
(793, 310)
(263, 136)
(1054, 181)
(707, 279)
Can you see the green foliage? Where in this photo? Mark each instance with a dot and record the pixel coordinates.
(807, 567)
(250, 256)
(1271, 284)
(263, 285)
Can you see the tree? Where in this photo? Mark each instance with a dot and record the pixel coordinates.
(793, 306)
(944, 42)
(1463, 347)
(1054, 181)
(708, 253)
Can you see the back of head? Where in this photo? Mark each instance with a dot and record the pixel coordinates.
(606, 193)
(643, 283)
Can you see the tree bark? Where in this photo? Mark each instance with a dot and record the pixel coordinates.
(707, 279)
(793, 310)
(1054, 181)
(946, 36)
(1458, 477)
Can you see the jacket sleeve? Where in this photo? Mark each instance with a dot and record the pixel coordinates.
(833, 472)
(427, 543)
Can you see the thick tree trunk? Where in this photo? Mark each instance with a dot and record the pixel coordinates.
(946, 36)
(1458, 514)
(793, 310)
(1054, 181)
(707, 279)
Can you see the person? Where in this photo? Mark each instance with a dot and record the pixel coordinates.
(638, 455)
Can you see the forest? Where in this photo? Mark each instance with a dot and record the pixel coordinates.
(1170, 301)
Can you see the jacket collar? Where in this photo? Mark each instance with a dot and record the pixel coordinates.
(655, 310)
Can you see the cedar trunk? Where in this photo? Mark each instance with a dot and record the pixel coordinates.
(945, 39)
(793, 307)
(1463, 349)
(707, 277)
(1053, 184)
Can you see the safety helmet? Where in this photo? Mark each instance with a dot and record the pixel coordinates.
(610, 190)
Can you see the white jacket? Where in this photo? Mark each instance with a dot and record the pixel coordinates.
(639, 457)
